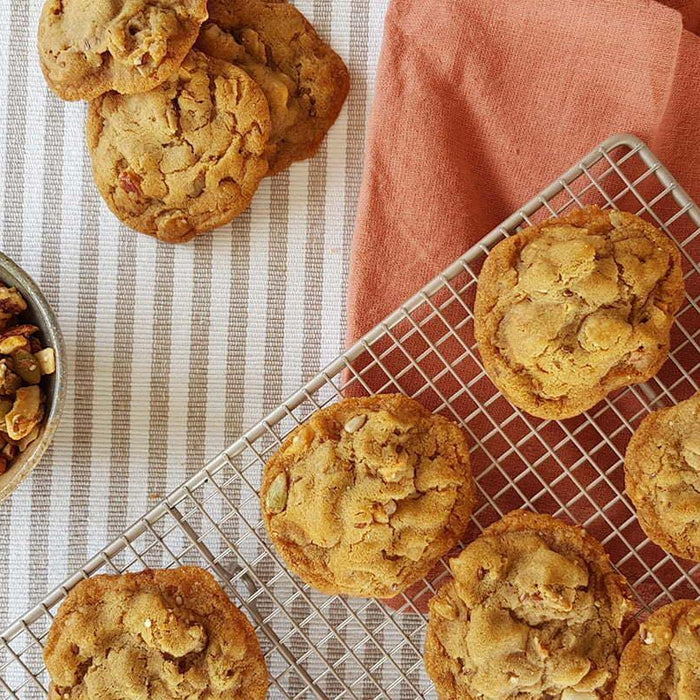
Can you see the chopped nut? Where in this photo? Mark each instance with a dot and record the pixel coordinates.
(355, 423)
(130, 182)
(11, 301)
(13, 343)
(24, 330)
(25, 442)
(25, 414)
(9, 380)
(277, 494)
(47, 360)
(390, 507)
(23, 362)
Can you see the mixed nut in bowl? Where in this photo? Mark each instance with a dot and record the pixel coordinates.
(31, 375)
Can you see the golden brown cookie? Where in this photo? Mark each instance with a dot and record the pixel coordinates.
(366, 497)
(88, 47)
(576, 307)
(662, 477)
(158, 634)
(535, 610)
(663, 659)
(304, 80)
(186, 157)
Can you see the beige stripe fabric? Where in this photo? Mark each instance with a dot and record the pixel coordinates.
(172, 352)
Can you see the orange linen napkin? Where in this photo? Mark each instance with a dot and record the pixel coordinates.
(481, 104)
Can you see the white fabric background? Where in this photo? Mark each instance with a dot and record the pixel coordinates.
(172, 351)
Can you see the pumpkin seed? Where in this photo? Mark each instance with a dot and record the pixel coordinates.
(27, 366)
(355, 423)
(277, 494)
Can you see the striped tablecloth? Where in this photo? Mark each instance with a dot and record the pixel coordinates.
(172, 351)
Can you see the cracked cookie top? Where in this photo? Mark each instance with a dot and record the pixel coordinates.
(365, 497)
(88, 47)
(662, 660)
(662, 477)
(535, 610)
(304, 80)
(575, 307)
(185, 157)
(158, 634)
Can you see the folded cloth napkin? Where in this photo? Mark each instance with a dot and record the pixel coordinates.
(480, 104)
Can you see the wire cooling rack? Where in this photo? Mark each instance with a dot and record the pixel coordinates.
(329, 647)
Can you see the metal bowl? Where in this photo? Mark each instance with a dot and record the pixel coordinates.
(40, 314)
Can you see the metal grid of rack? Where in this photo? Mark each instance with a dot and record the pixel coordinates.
(330, 647)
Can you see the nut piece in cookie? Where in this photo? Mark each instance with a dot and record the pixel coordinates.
(662, 477)
(88, 47)
(662, 659)
(535, 610)
(186, 157)
(158, 634)
(576, 307)
(365, 497)
(304, 80)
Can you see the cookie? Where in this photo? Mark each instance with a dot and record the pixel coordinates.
(662, 477)
(185, 157)
(535, 610)
(662, 660)
(365, 497)
(89, 47)
(158, 634)
(304, 80)
(576, 307)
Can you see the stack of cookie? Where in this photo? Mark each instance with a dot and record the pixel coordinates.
(192, 102)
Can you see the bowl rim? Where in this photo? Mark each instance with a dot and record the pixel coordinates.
(53, 337)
